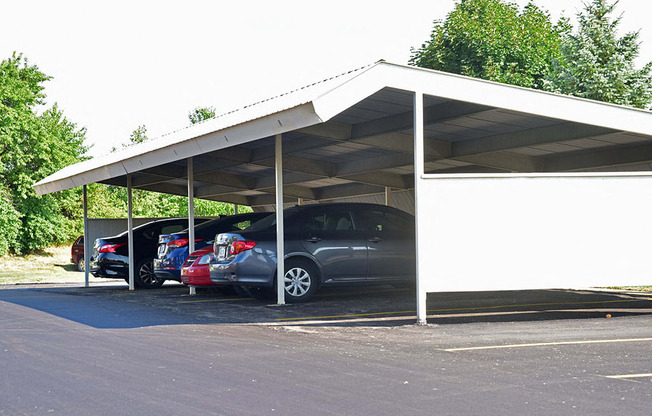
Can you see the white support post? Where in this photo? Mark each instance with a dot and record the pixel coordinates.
(235, 209)
(87, 249)
(193, 290)
(418, 178)
(299, 201)
(191, 207)
(388, 196)
(280, 229)
(130, 233)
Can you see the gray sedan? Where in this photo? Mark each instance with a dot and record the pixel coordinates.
(324, 244)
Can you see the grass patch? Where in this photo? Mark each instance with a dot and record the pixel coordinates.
(50, 265)
(636, 288)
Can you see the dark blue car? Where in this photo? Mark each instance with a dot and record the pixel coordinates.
(173, 248)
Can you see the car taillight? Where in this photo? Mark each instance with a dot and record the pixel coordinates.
(110, 248)
(240, 246)
(181, 242)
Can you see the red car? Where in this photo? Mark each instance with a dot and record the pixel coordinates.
(77, 253)
(194, 271)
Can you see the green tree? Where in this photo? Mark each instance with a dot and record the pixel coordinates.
(201, 114)
(139, 135)
(34, 144)
(493, 40)
(599, 65)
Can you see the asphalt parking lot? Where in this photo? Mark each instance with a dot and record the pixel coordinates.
(354, 351)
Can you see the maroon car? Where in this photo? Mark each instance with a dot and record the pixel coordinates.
(77, 253)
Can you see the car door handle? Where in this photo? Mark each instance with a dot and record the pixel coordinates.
(313, 239)
(375, 240)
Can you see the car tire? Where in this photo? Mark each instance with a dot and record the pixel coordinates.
(80, 265)
(301, 280)
(145, 277)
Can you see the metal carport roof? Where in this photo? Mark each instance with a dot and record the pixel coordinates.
(352, 135)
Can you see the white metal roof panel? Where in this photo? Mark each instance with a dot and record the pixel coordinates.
(367, 94)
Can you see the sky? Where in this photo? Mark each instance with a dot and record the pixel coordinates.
(121, 64)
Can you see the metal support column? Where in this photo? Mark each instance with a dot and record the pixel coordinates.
(130, 233)
(191, 207)
(418, 177)
(87, 249)
(235, 209)
(299, 201)
(280, 229)
(388, 196)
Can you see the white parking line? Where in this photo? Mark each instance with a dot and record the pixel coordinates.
(546, 344)
(631, 376)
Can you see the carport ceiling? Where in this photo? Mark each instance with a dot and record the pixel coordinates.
(352, 135)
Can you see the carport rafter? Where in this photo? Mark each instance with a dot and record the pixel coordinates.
(615, 156)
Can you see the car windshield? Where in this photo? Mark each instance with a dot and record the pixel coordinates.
(270, 221)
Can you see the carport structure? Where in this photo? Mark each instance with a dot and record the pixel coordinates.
(381, 132)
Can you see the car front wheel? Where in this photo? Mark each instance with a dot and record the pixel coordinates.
(145, 276)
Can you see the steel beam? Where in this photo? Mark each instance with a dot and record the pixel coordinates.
(531, 137)
(419, 166)
(130, 233)
(576, 161)
(280, 229)
(191, 207)
(87, 249)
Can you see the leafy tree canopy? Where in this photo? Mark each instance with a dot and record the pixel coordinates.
(33, 144)
(201, 114)
(493, 40)
(599, 65)
(106, 201)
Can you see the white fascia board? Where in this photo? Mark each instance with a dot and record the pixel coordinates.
(524, 100)
(181, 147)
(288, 120)
(443, 176)
(349, 93)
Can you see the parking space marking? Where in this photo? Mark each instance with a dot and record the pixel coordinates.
(353, 315)
(625, 376)
(430, 311)
(213, 300)
(547, 344)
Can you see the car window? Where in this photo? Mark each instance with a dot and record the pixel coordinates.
(379, 221)
(270, 221)
(329, 220)
(151, 233)
(240, 225)
(170, 229)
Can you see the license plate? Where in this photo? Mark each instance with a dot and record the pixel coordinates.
(222, 253)
(161, 250)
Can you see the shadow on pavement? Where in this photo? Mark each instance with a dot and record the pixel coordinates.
(116, 307)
